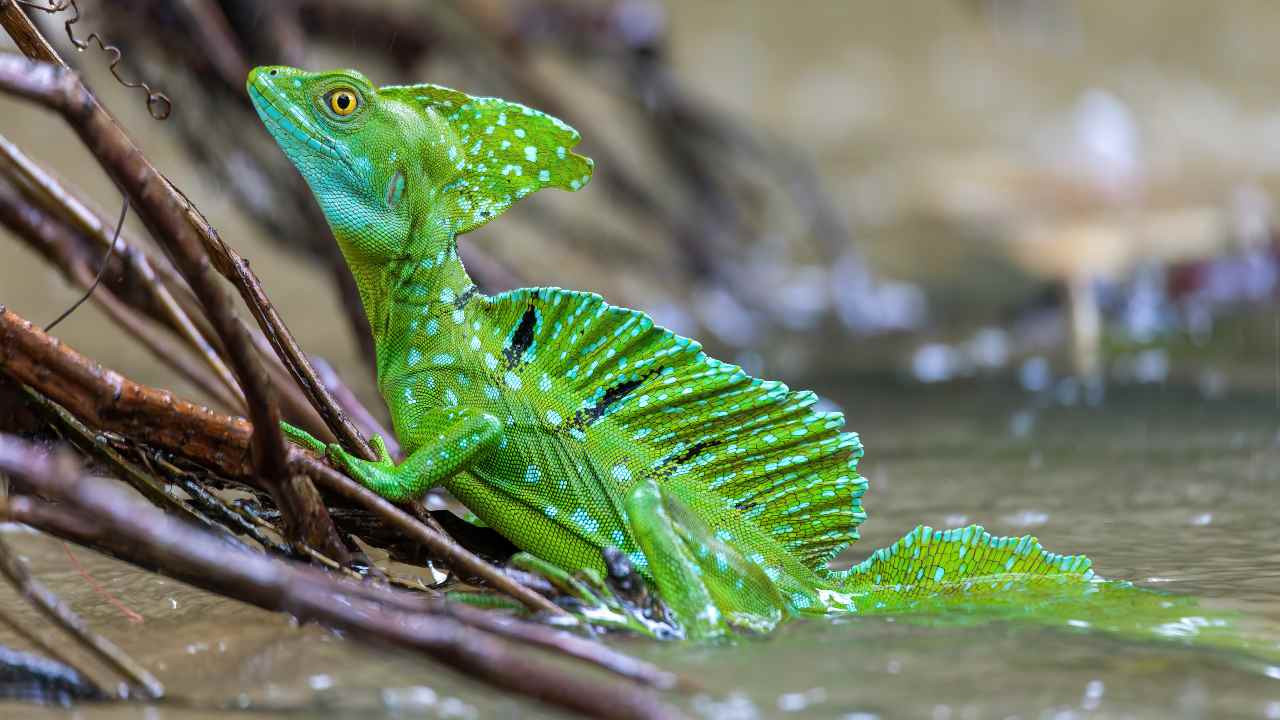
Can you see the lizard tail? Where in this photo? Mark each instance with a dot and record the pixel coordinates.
(992, 578)
(927, 563)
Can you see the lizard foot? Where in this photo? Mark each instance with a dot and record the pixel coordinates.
(616, 603)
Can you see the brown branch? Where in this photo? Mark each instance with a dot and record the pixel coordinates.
(236, 268)
(146, 484)
(15, 571)
(107, 400)
(97, 129)
(165, 213)
(142, 286)
(150, 539)
(25, 35)
(436, 540)
(64, 249)
(41, 186)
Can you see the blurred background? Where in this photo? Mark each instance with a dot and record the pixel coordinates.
(1061, 195)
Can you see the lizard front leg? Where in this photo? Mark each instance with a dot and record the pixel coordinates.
(457, 439)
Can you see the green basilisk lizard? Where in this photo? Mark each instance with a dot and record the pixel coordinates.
(569, 425)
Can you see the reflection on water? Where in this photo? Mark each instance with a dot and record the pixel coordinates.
(1158, 487)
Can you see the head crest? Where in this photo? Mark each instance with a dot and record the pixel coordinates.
(500, 152)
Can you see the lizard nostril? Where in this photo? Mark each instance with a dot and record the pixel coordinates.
(273, 73)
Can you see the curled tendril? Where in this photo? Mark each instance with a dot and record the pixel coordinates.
(158, 104)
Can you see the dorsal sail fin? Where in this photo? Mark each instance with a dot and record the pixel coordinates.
(677, 414)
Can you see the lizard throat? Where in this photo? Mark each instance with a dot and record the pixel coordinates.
(282, 117)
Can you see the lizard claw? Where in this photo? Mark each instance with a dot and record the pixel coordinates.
(357, 466)
(380, 448)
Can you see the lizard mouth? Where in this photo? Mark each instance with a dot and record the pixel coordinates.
(267, 101)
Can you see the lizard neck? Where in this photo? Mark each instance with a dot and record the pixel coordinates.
(412, 301)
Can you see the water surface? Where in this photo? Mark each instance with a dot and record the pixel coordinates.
(1158, 486)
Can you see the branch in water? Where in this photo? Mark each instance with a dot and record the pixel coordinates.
(149, 538)
(15, 571)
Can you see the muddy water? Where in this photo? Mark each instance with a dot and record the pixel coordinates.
(1160, 485)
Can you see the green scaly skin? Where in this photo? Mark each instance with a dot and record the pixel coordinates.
(569, 425)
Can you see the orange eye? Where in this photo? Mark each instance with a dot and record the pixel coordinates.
(342, 102)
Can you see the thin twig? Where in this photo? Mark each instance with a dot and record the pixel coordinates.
(15, 571)
(166, 214)
(109, 401)
(66, 249)
(102, 269)
(143, 276)
(71, 209)
(148, 538)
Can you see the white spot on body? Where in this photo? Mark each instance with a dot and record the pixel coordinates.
(585, 521)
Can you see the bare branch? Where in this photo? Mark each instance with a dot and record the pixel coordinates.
(109, 401)
(149, 538)
(166, 214)
(53, 608)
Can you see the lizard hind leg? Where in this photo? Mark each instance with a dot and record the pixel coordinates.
(707, 584)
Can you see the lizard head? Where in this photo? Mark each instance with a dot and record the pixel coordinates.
(399, 166)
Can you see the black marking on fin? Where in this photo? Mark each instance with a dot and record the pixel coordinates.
(465, 297)
(688, 453)
(522, 338)
(612, 396)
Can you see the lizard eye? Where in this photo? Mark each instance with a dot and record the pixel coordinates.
(342, 101)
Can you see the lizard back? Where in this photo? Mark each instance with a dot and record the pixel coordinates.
(594, 398)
